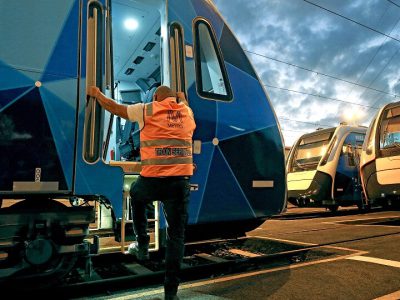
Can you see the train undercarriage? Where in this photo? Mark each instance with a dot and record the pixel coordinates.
(42, 238)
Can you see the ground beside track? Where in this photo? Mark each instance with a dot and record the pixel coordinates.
(345, 275)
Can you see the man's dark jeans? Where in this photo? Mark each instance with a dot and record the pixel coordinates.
(174, 193)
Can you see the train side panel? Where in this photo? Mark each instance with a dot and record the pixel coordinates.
(38, 95)
(240, 171)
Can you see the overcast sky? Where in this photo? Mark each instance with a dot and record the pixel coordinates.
(333, 67)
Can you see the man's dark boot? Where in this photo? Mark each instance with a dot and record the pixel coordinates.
(140, 250)
(170, 292)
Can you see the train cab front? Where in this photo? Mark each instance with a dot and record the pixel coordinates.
(381, 160)
(308, 186)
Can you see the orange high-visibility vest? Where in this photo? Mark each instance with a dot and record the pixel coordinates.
(166, 139)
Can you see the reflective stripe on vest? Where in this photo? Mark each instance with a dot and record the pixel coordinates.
(166, 139)
(167, 161)
(172, 142)
(149, 109)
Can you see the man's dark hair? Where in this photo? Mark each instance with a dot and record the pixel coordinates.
(163, 92)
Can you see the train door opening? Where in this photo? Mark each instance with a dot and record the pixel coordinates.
(134, 62)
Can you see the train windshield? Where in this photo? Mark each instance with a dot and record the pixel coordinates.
(309, 151)
(390, 129)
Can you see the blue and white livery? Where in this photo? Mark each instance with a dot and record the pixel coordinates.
(67, 163)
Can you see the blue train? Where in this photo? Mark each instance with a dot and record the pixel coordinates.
(323, 168)
(380, 158)
(66, 164)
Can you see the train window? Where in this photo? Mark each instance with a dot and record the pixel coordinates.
(309, 151)
(390, 129)
(211, 76)
(131, 96)
(324, 160)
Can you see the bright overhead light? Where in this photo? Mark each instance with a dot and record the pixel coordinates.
(131, 24)
(349, 115)
(353, 116)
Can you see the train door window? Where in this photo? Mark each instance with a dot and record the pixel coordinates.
(94, 76)
(348, 153)
(178, 82)
(211, 77)
(359, 145)
(352, 147)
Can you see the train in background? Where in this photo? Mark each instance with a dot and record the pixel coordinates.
(66, 164)
(380, 158)
(323, 168)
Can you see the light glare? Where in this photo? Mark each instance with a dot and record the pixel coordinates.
(323, 150)
(131, 24)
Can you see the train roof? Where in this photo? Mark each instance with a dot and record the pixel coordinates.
(391, 105)
(340, 128)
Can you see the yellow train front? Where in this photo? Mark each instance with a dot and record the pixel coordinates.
(323, 168)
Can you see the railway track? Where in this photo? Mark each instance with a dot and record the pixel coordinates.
(202, 260)
(115, 272)
(290, 215)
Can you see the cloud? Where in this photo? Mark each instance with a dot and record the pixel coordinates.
(314, 39)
